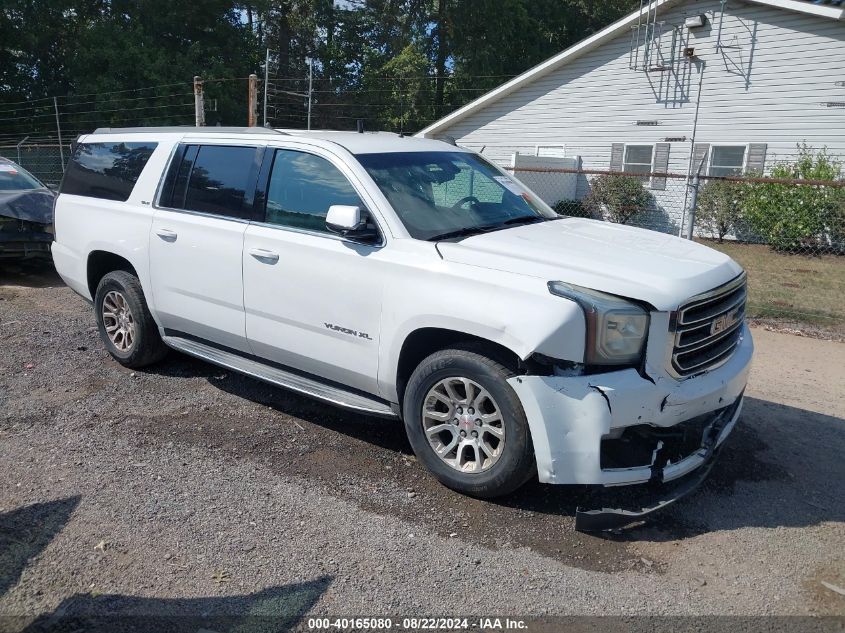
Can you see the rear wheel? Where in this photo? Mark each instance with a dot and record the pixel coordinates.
(126, 326)
(466, 423)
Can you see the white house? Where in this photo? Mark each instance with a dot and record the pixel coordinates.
(728, 85)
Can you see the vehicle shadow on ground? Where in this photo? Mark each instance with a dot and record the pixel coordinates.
(29, 274)
(775, 470)
(270, 610)
(383, 433)
(26, 532)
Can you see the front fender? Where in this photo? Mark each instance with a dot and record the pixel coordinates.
(513, 311)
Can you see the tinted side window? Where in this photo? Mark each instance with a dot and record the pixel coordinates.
(222, 180)
(302, 188)
(106, 170)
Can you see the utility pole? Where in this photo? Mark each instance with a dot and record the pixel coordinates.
(310, 88)
(266, 82)
(59, 132)
(199, 103)
(252, 101)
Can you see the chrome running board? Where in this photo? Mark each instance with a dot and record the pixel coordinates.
(281, 378)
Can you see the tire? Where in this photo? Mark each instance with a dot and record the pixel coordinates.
(512, 463)
(119, 293)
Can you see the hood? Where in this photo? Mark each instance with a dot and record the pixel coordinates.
(33, 205)
(660, 269)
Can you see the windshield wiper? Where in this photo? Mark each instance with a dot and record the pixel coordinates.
(523, 219)
(464, 232)
(487, 228)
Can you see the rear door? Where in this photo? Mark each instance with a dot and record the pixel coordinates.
(196, 241)
(313, 300)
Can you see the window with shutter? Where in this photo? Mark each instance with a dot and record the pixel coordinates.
(639, 160)
(727, 160)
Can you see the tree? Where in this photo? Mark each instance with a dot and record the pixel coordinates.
(373, 59)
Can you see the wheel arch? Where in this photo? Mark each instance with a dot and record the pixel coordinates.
(100, 263)
(424, 341)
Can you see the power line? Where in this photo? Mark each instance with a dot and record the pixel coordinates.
(151, 107)
(111, 92)
(409, 78)
(23, 109)
(74, 116)
(107, 101)
(175, 94)
(91, 94)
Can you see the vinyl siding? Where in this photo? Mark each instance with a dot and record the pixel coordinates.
(766, 85)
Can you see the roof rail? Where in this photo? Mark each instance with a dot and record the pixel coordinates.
(212, 129)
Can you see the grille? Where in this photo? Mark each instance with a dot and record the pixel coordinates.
(708, 328)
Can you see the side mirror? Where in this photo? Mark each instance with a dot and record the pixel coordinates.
(350, 222)
(343, 219)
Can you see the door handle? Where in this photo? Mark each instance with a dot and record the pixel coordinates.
(263, 255)
(167, 235)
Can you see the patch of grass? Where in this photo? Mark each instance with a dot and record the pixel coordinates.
(803, 289)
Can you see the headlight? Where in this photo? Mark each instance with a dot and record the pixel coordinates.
(616, 328)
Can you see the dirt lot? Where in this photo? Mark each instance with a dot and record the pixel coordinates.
(186, 488)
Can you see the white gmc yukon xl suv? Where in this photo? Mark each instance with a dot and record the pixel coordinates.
(410, 278)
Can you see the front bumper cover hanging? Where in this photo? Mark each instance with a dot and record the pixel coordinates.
(604, 519)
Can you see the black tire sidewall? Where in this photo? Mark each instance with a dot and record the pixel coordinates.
(516, 464)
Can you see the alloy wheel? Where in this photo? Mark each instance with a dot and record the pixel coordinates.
(118, 321)
(463, 425)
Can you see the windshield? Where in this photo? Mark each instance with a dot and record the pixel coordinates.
(439, 195)
(14, 178)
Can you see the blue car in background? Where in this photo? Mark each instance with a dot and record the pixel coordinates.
(26, 214)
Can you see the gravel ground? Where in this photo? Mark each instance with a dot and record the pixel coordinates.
(186, 488)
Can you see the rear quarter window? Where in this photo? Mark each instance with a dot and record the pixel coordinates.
(106, 170)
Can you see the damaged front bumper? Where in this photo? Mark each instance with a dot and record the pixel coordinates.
(619, 428)
(25, 244)
(720, 424)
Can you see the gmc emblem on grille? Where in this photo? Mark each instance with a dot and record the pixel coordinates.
(723, 322)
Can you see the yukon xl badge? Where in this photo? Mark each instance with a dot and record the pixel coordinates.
(345, 330)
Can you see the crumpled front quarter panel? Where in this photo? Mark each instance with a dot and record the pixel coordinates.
(516, 312)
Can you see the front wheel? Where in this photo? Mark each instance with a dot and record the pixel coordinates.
(466, 423)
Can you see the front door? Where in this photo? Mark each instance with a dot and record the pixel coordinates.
(196, 242)
(312, 299)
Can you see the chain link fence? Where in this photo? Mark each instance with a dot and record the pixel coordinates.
(45, 161)
(789, 234)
